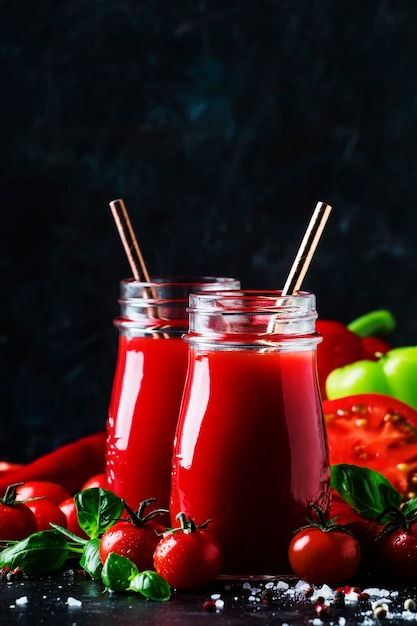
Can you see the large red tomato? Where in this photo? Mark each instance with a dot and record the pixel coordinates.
(375, 431)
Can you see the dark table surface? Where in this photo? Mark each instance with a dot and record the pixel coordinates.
(70, 598)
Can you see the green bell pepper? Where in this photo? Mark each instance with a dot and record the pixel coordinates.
(394, 374)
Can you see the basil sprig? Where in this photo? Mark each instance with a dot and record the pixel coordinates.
(48, 551)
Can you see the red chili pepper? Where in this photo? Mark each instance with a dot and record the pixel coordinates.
(70, 466)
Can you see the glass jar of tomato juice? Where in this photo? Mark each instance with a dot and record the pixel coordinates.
(148, 384)
(250, 450)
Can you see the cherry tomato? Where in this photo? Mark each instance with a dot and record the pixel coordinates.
(188, 559)
(398, 549)
(134, 542)
(70, 511)
(45, 512)
(375, 431)
(16, 520)
(98, 480)
(319, 557)
(135, 538)
(39, 488)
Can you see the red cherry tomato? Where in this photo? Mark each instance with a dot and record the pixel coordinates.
(45, 512)
(137, 543)
(375, 431)
(70, 511)
(98, 480)
(319, 557)
(41, 488)
(188, 560)
(16, 520)
(398, 550)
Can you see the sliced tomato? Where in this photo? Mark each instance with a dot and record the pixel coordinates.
(375, 431)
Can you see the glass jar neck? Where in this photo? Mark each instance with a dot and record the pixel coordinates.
(253, 319)
(159, 308)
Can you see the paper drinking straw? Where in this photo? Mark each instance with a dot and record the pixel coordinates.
(307, 248)
(130, 244)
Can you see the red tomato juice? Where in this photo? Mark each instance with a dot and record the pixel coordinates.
(146, 395)
(250, 452)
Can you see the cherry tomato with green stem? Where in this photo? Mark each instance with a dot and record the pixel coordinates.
(398, 543)
(324, 553)
(134, 538)
(188, 557)
(16, 520)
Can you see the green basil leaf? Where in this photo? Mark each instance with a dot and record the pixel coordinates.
(151, 585)
(97, 510)
(69, 534)
(117, 572)
(42, 552)
(409, 506)
(90, 559)
(368, 491)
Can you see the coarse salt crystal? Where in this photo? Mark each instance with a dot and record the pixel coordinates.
(282, 585)
(375, 591)
(219, 604)
(352, 596)
(325, 591)
(73, 601)
(317, 622)
(21, 601)
(215, 596)
(301, 585)
(342, 621)
(246, 586)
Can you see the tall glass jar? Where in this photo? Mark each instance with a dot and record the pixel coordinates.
(250, 450)
(148, 384)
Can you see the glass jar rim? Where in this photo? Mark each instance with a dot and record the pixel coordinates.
(244, 299)
(183, 280)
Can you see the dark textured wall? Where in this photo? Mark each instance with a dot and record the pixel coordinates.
(220, 123)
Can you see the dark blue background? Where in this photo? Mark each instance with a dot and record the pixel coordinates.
(221, 123)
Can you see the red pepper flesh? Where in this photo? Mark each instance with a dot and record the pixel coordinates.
(70, 466)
